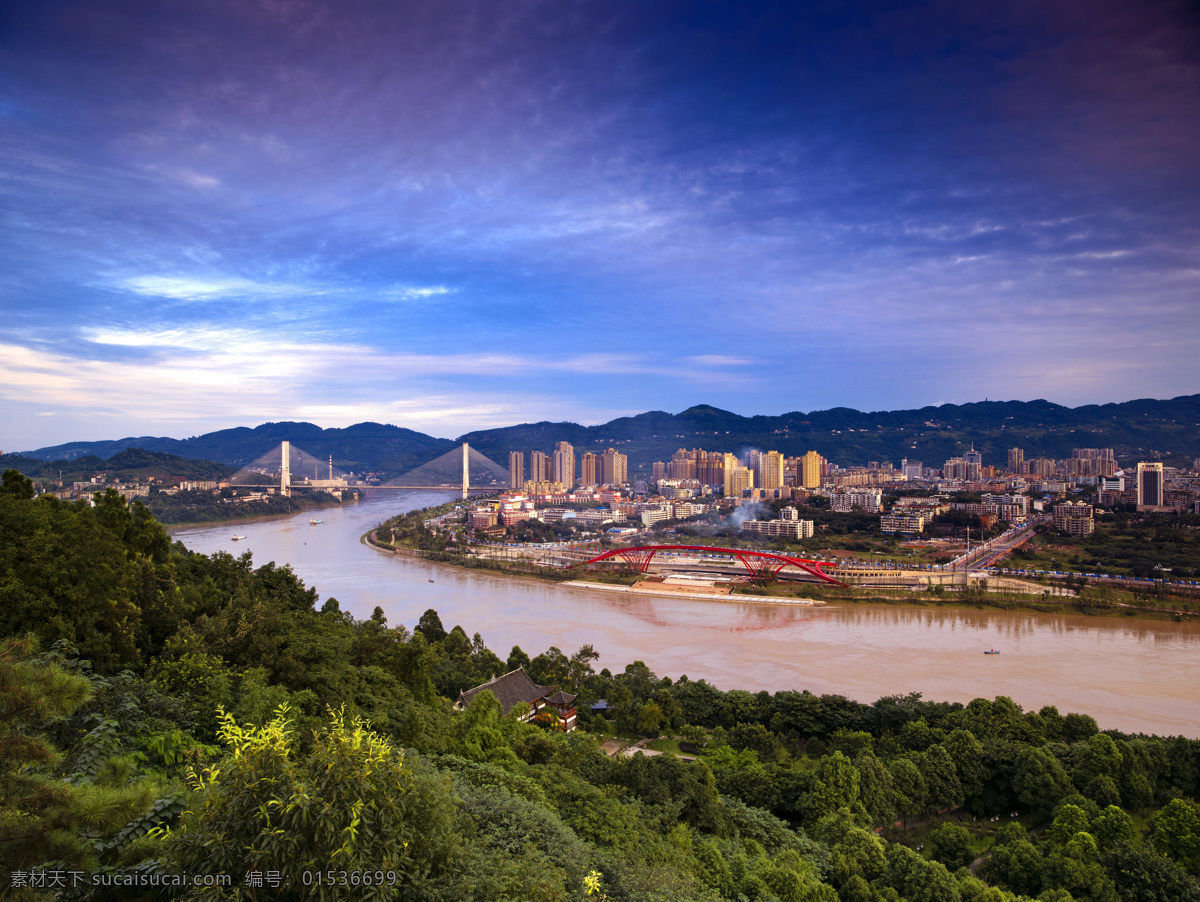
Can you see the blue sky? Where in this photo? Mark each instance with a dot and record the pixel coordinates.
(449, 215)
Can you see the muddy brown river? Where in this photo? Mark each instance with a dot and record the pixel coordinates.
(1132, 675)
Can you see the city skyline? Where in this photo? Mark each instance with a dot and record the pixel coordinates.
(460, 218)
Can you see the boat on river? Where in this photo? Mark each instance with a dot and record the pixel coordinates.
(991, 651)
(315, 522)
(237, 538)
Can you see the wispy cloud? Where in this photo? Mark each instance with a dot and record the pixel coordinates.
(415, 293)
(610, 208)
(187, 288)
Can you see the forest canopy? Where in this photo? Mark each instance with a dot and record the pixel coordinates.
(166, 713)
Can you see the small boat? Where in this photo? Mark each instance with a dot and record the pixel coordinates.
(431, 580)
(991, 652)
(236, 538)
(315, 522)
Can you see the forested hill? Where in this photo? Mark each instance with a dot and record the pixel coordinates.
(365, 446)
(129, 464)
(219, 719)
(1138, 430)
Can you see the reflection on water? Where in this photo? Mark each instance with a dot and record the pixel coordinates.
(1134, 675)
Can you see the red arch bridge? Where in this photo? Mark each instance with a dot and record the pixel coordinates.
(759, 564)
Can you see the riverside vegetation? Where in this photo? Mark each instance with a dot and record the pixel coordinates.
(168, 713)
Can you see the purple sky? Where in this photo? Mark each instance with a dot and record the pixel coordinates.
(449, 215)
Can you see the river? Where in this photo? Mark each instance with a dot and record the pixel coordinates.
(1131, 675)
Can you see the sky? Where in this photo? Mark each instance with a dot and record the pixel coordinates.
(451, 215)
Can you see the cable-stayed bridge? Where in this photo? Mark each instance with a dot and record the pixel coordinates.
(292, 468)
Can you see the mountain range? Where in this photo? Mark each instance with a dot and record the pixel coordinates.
(1146, 429)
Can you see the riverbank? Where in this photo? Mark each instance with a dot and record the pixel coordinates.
(821, 594)
(692, 594)
(245, 512)
(858, 650)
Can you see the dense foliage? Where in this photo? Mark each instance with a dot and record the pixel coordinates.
(198, 715)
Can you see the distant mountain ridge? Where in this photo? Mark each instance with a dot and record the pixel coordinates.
(363, 446)
(132, 463)
(1144, 429)
(1140, 429)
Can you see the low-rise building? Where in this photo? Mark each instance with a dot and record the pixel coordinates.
(779, 529)
(1075, 518)
(650, 516)
(900, 522)
(844, 502)
(481, 518)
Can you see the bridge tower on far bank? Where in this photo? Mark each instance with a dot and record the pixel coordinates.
(466, 473)
(285, 472)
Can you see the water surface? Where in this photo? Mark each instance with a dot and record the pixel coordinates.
(1132, 675)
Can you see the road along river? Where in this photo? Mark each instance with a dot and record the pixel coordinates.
(1132, 675)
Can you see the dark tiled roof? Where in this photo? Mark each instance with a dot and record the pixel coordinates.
(560, 698)
(511, 689)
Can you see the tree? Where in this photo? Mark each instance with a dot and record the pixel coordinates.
(1069, 821)
(918, 880)
(836, 786)
(350, 803)
(1014, 862)
(430, 626)
(755, 736)
(967, 754)
(1113, 827)
(875, 789)
(1040, 780)
(951, 845)
(649, 719)
(14, 483)
(1176, 834)
(1140, 875)
(909, 787)
(517, 658)
(941, 779)
(43, 818)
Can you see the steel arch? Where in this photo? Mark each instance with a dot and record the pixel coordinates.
(759, 564)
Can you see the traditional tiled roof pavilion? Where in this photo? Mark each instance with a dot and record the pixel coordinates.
(515, 688)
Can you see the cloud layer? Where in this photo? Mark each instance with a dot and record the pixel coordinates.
(453, 216)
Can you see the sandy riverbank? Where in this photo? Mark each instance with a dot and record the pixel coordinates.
(696, 594)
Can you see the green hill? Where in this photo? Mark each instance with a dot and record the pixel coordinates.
(1144, 429)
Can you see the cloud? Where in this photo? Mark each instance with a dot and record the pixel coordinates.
(187, 177)
(415, 293)
(240, 382)
(621, 203)
(186, 288)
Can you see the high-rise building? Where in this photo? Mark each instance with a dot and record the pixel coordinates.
(589, 476)
(770, 470)
(564, 464)
(737, 477)
(910, 469)
(1016, 457)
(658, 470)
(812, 468)
(1150, 484)
(1091, 462)
(539, 466)
(710, 468)
(614, 468)
(516, 469)
(974, 462)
